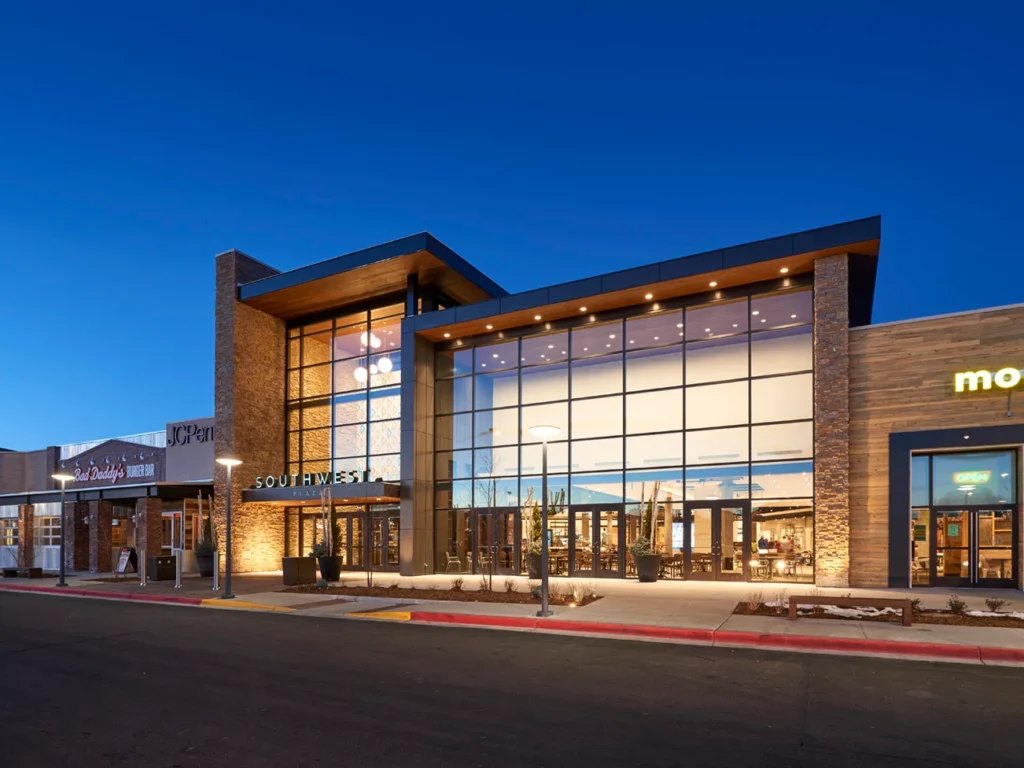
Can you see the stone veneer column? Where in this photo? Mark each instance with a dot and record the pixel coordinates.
(417, 520)
(76, 535)
(26, 535)
(148, 527)
(832, 421)
(101, 518)
(249, 414)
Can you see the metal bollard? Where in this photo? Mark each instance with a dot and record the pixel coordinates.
(216, 570)
(142, 567)
(177, 568)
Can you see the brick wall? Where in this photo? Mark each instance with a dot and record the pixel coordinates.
(148, 526)
(26, 534)
(101, 515)
(76, 535)
(832, 421)
(249, 413)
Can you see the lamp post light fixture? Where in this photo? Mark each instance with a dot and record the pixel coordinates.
(228, 463)
(545, 432)
(62, 478)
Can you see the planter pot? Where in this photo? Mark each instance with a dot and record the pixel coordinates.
(330, 568)
(533, 565)
(205, 564)
(648, 567)
(298, 570)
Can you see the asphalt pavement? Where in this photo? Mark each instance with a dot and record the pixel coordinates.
(95, 683)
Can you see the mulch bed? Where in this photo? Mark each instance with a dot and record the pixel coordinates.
(920, 617)
(462, 596)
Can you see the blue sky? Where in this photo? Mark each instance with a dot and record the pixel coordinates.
(540, 141)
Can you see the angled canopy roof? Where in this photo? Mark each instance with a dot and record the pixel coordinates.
(371, 272)
(722, 269)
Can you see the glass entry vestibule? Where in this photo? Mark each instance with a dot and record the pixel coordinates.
(367, 539)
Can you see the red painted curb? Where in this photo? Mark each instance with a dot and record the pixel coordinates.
(727, 637)
(74, 591)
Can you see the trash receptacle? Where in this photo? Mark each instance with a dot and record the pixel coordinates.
(161, 568)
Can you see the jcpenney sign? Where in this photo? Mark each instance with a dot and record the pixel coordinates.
(186, 434)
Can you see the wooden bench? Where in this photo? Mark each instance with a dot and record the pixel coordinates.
(904, 604)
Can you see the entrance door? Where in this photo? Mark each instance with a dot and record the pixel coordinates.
(974, 547)
(716, 540)
(383, 541)
(495, 533)
(597, 542)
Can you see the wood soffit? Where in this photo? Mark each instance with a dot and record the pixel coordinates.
(366, 282)
(734, 277)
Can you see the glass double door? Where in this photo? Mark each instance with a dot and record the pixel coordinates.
(716, 540)
(495, 544)
(594, 545)
(974, 547)
(369, 540)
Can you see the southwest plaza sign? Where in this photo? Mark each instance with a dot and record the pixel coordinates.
(313, 478)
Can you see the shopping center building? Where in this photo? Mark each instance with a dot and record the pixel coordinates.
(737, 404)
(741, 395)
(147, 492)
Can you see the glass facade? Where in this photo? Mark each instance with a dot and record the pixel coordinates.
(705, 403)
(343, 394)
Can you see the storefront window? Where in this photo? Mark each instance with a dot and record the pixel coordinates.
(920, 481)
(974, 478)
(782, 541)
(711, 402)
(344, 401)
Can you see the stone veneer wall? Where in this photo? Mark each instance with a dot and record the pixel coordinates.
(249, 413)
(832, 421)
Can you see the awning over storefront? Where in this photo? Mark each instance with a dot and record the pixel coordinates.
(309, 495)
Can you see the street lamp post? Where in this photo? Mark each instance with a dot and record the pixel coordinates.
(228, 463)
(63, 478)
(545, 432)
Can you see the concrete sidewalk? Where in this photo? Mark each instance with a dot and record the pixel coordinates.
(680, 611)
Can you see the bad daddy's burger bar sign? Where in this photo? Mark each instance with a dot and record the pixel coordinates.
(314, 478)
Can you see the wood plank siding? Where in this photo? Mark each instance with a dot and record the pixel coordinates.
(901, 380)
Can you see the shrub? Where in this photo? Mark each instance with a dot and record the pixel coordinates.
(457, 583)
(510, 584)
(578, 590)
(994, 604)
(754, 600)
(956, 605)
(782, 601)
(916, 606)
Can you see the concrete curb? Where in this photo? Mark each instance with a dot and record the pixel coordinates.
(725, 638)
(76, 592)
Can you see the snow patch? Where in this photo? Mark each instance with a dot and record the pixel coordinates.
(987, 614)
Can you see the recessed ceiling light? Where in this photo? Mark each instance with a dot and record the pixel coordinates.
(551, 346)
(763, 320)
(495, 355)
(536, 317)
(655, 338)
(649, 296)
(793, 316)
(483, 365)
(584, 349)
(447, 335)
(680, 333)
(607, 345)
(713, 284)
(756, 312)
(707, 330)
(583, 309)
(502, 362)
(679, 325)
(735, 325)
(611, 335)
(490, 327)
(784, 270)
